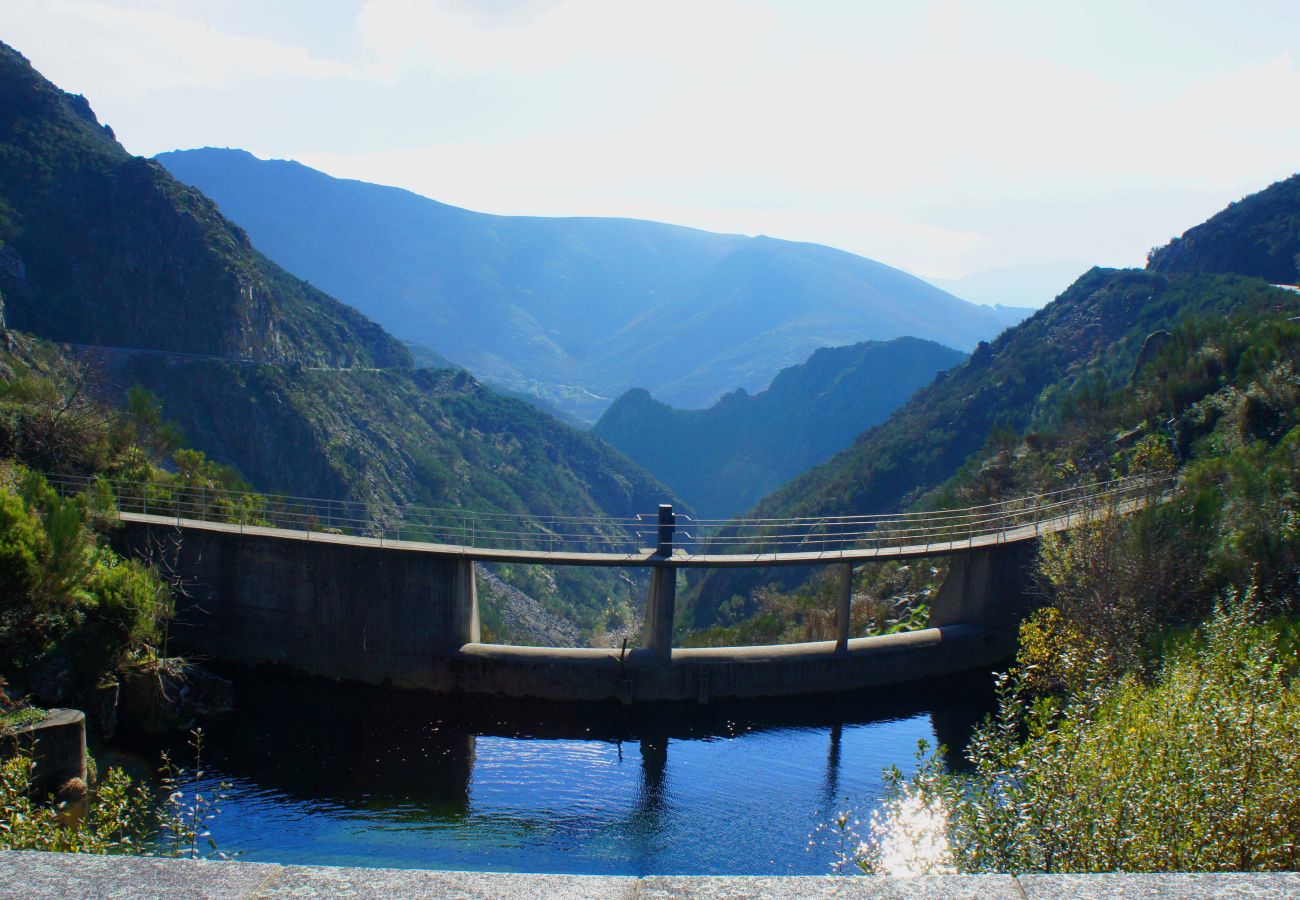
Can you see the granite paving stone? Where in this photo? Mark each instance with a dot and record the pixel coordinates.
(43, 875)
(28, 874)
(724, 887)
(1172, 885)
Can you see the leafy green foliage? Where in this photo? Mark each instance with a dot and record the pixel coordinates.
(1197, 770)
(116, 816)
(65, 597)
(115, 820)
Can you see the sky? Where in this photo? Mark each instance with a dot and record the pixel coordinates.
(999, 140)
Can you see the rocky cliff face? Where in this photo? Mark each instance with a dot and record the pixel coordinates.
(101, 247)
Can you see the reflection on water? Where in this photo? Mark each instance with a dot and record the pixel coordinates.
(358, 776)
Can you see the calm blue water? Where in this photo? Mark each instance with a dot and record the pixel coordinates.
(346, 776)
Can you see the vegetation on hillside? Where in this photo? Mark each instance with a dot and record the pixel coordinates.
(101, 247)
(263, 372)
(73, 612)
(723, 459)
(1192, 769)
(1149, 721)
(74, 615)
(575, 310)
(1258, 235)
(1051, 379)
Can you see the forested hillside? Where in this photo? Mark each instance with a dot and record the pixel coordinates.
(1055, 367)
(1258, 235)
(100, 247)
(723, 459)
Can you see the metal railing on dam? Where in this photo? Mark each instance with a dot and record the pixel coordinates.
(641, 540)
(388, 595)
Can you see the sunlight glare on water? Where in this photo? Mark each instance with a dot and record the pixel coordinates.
(909, 836)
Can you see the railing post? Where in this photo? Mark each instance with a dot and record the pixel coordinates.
(845, 607)
(667, 525)
(662, 602)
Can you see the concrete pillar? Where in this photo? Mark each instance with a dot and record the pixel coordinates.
(662, 602)
(842, 612)
(660, 607)
(57, 744)
(464, 610)
(988, 587)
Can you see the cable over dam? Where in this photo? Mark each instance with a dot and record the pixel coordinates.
(387, 595)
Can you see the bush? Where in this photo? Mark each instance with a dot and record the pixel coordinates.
(64, 596)
(1198, 770)
(1116, 583)
(118, 816)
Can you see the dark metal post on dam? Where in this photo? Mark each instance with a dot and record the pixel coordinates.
(662, 602)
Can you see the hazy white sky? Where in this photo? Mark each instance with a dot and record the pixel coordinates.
(943, 137)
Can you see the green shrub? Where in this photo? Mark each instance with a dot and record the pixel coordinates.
(1197, 770)
(63, 595)
(117, 816)
(23, 547)
(130, 598)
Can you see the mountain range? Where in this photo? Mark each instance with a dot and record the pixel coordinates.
(724, 459)
(303, 394)
(576, 310)
(1064, 360)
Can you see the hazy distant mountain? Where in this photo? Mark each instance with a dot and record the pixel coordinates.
(576, 310)
(1011, 315)
(721, 460)
(1031, 286)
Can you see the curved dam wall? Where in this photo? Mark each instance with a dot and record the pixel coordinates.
(331, 609)
(409, 618)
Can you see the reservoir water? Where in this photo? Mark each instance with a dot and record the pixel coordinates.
(338, 775)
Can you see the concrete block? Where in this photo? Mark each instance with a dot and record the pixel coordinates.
(1164, 885)
(732, 887)
(363, 884)
(58, 747)
(35, 876)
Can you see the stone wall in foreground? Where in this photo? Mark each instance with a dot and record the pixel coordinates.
(49, 875)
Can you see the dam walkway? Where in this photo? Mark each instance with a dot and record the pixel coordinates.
(388, 595)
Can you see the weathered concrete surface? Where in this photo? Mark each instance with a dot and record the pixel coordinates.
(992, 587)
(335, 610)
(58, 747)
(409, 617)
(1159, 885)
(937, 887)
(706, 674)
(48, 875)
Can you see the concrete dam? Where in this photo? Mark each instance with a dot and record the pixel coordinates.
(292, 587)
